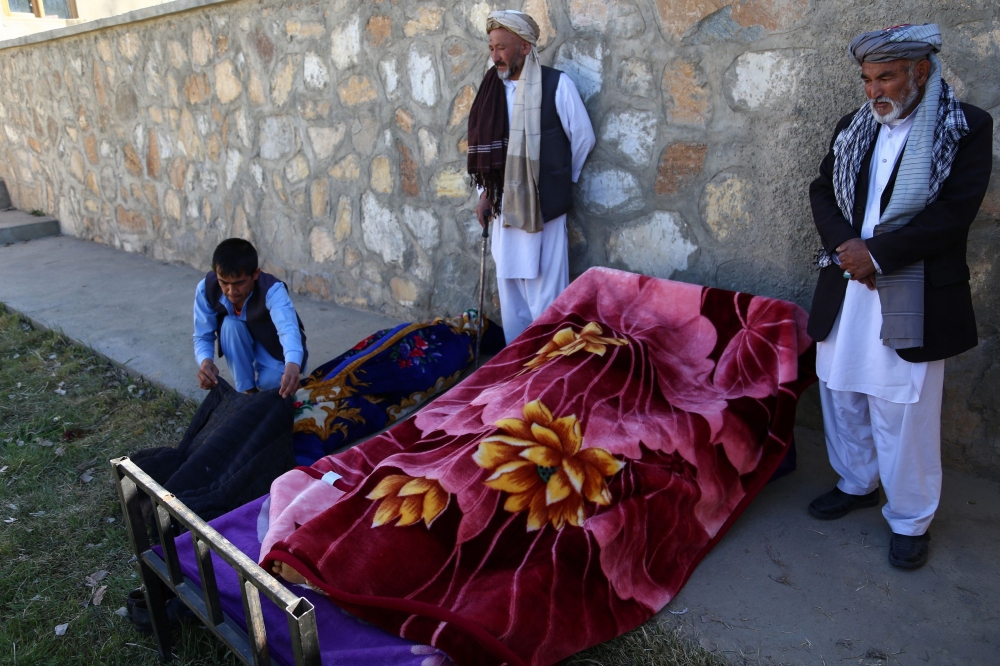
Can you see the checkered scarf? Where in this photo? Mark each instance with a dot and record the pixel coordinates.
(931, 146)
(852, 144)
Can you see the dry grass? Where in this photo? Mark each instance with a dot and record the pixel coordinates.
(650, 645)
(55, 527)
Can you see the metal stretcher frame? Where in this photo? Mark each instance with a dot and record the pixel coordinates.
(160, 574)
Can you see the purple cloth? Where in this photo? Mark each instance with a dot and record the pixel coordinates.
(343, 638)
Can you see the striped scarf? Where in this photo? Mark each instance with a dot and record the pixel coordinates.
(488, 138)
(522, 207)
(930, 149)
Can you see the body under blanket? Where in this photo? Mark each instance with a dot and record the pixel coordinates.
(563, 493)
(382, 379)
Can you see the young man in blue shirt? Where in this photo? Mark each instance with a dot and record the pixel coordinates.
(251, 316)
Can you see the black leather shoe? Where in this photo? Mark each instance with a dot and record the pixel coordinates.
(908, 552)
(837, 504)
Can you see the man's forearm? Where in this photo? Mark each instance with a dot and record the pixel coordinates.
(833, 229)
(204, 349)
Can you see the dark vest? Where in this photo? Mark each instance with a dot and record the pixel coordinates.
(555, 177)
(258, 318)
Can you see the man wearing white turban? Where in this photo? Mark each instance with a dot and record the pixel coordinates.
(897, 192)
(529, 135)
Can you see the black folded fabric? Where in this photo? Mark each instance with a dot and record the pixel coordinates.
(235, 446)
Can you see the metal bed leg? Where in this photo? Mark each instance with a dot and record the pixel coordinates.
(255, 622)
(155, 590)
(156, 601)
(209, 585)
(165, 528)
(305, 636)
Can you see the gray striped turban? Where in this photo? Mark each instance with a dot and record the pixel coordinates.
(901, 42)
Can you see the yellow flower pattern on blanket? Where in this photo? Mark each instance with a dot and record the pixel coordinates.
(409, 499)
(567, 342)
(329, 414)
(540, 463)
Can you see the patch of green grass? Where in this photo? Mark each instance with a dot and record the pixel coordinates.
(56, 528)
(38, 213)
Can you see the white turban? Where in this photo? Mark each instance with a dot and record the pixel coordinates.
(518, 23)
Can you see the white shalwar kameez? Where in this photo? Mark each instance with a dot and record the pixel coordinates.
(533, 269)
(881, 414)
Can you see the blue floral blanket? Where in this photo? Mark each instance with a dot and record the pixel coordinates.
(382, 379)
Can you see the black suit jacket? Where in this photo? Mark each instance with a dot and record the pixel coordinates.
(937, 235)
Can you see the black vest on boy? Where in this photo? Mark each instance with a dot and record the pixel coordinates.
(258, 318)
(555, 177)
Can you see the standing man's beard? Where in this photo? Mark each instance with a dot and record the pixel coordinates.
(897, 107)
(513, 67)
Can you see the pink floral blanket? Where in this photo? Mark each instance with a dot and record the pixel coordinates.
(562, 494)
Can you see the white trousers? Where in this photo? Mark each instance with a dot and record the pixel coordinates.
(870, 439)
(521, 300)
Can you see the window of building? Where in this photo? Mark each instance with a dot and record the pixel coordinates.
(27, 9)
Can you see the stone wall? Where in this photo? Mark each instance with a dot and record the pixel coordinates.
(333, 135)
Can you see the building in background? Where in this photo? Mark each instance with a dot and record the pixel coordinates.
(24, 17)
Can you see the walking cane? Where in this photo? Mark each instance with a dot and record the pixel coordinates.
(482, 287)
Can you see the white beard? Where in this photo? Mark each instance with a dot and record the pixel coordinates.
(511, 70)
(897, 107)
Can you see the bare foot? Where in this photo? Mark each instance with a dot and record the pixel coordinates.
(288, 573)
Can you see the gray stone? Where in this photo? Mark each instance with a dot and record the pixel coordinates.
(634, 134)
(324, 140)
(314, 75)
(720, 27)
(126, 103)
(381, 230)
(424, 226)
(109, 183)
(322, 245)
(459, 57)
(458, 275)
(608, 190)
(653, 245)
(428, 145)
(345, 43)
(628, 22)
(423, 76)
(277, 137)
(364, 133)
(635, 77)
(389, 72)
(765, 78)
(234, 160)
(584, 63)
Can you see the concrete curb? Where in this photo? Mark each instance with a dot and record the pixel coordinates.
(17, 226)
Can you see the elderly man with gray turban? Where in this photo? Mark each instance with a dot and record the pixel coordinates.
(903, 180)
(529, 135)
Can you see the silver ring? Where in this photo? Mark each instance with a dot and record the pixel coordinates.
(847, 275)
